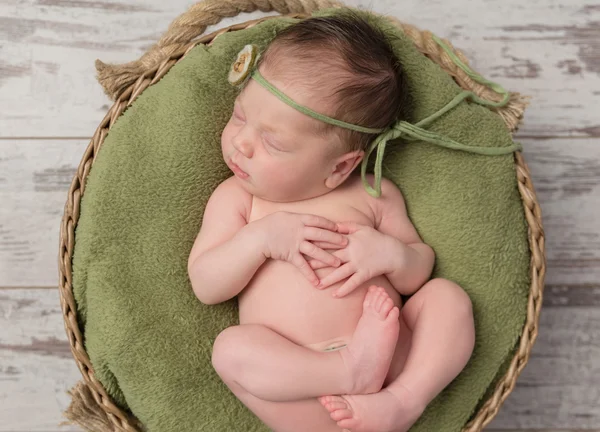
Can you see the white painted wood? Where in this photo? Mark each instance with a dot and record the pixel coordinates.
(560, 385)
(36, 366)
(35, 176)
(549, 49)
(559, 388)
(566, 177)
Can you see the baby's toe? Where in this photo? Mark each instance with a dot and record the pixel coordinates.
(336, 405)
(325, 399)
(370, 299)
(394, 314)
(341, 414)
(380, 300)
(387, 306)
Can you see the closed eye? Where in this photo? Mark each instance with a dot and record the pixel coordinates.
(272, 146)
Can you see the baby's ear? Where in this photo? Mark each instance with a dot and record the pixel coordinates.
(342, 167)
(349, 161)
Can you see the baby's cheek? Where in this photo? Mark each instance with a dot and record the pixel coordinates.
(225, 137)
(277, 172)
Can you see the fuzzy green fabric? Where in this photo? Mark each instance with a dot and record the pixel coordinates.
(147, 335)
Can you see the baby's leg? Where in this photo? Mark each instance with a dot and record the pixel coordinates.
(438, 320)
(440, 316)
(293, 416)
(273, 368)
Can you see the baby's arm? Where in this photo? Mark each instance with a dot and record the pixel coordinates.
(227, 250)
(418, 258)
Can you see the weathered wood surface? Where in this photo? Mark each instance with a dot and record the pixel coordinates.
(50, 104)
(35, 176)
(559, 387)
(36, 366)
(549, 49)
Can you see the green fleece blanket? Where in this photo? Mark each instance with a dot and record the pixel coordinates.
(147, 335)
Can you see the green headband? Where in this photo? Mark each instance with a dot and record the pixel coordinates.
(244, 67)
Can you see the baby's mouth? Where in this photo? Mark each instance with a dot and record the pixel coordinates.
(237, 170)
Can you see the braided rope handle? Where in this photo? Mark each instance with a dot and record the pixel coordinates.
(189, 25)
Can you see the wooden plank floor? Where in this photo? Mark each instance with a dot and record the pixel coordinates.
(50, 104)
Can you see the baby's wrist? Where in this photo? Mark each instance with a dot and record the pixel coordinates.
(393, 255)
(256, 238)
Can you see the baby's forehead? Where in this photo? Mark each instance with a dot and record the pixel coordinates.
(296, 121)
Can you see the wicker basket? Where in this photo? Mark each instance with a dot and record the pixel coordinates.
(92, 408)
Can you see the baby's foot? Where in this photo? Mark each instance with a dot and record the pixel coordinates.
(379, 412)
(369, 353)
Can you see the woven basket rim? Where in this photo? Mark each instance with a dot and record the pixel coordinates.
(117, 418)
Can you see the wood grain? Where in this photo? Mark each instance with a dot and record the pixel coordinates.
(559, 387)
(36, 366)
(51, 105)
(549, 49)
(34, 180)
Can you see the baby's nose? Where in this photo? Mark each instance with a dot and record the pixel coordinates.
(244, 146)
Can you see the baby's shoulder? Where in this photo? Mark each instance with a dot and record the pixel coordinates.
(389, 189)
(230, 194)
(391, 196)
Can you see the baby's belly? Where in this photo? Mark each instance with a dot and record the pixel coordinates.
(281, 298)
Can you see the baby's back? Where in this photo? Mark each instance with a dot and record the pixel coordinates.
(281, 298)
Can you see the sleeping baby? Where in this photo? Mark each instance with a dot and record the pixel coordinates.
(316, 255)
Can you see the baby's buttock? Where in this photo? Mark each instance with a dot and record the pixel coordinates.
(281, 298)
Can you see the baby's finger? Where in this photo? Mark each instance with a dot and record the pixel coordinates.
(327, 245)
(307, 248)
(347, 227)
(311, 250)
(337, 275)
(316, 264)
(303, 266)
(348, 286)
(318, 234)
(318, 221)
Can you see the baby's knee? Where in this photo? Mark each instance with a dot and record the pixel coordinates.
(224, 353)
(455, 299)
(450, 294)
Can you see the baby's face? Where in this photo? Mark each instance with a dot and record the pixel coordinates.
(273, 144)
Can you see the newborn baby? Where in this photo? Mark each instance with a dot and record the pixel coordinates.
(318, 264)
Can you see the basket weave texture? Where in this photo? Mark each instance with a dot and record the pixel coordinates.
(92, 408)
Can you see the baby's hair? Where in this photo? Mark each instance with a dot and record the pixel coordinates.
(344, 60)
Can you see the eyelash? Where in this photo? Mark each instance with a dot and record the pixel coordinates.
(271, 145)
(267, 142)
(237, 117)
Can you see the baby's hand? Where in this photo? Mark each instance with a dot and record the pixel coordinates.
(287, 236)
(366, 256)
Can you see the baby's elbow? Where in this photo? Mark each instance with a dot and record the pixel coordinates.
(429, 256)
(194, 275)
(203, 296)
